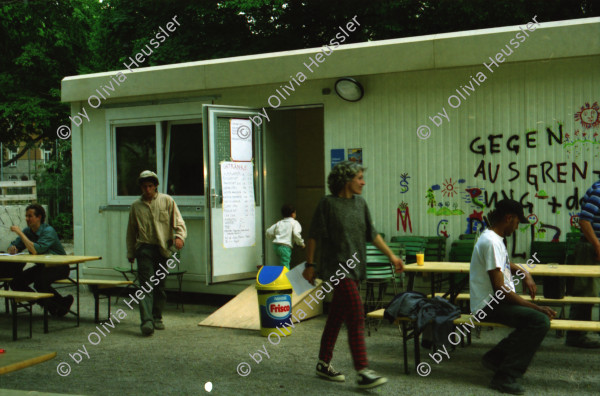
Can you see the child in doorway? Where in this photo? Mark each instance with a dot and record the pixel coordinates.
(284, 233)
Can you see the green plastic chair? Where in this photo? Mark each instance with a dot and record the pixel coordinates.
(547, 253)
(572, 240)
(461, 250)
(380, 272)
(412, 245)
(435, 249)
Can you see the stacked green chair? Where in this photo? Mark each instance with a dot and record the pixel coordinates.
(547, 253)
(572, 240)
(462, 250)
(554, 286)
(380, 272)
(412, 246)
(435, 249)
(372, 249)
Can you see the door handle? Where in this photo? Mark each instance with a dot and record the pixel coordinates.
(214, 196)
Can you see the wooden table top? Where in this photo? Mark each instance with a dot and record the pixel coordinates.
(540, 269)
(49, 260)
(16, 359)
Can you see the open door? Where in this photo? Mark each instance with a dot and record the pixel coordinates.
(234, 196)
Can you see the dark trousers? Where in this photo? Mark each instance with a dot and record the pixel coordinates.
(514, 353)
(42, 278)
(10, 270)
(346, 307)
(148, 259)
(585, 254)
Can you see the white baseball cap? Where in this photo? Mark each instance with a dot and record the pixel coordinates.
(147, 175)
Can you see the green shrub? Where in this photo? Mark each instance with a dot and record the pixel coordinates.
(63, 224)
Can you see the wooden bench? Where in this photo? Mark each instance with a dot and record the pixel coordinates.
(21, 299)
(542, 300)
(101, 288)
(555, 324)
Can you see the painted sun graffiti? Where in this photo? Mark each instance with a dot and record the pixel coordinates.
(449, 188)
(589, 116)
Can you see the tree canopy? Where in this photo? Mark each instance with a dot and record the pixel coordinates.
(43, 41)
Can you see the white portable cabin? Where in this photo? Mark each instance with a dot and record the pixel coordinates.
(525, 125)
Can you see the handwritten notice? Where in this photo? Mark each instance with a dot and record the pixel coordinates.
(241, 139)
(239, 222)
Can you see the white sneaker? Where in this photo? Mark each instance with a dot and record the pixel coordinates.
(369, 379)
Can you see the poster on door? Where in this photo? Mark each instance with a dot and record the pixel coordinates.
(241, 139)
(239, 220)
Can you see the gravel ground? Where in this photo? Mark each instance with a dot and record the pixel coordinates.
(182, 359)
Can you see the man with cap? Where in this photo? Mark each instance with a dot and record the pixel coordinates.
(155, 225)
(587, 251)
(494, 298)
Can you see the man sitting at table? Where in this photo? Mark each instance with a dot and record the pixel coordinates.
(40, 238)
(493, 291)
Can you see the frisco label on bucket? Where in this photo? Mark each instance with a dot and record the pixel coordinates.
(278, 307)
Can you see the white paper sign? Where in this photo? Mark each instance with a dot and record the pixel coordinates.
(239, 221)
(241, 139)
(299, 284)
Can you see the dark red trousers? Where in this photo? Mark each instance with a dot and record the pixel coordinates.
(346, 307)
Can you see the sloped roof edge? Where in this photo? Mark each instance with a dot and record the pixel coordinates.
(570, 38)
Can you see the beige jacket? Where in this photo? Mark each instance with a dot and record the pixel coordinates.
(156, 223)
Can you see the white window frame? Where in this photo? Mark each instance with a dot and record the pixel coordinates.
(48, 152)
(113, 197)
(12, 154)
(180, 199)
(160, 116)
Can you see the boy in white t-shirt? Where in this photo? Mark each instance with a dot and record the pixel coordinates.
(285, 233)
(493, 297)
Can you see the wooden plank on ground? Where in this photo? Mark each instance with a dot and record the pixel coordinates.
(242, 311)
(16, 359)
(15, 392)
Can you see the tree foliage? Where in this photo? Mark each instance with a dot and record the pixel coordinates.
(55, 188)
(43, 41)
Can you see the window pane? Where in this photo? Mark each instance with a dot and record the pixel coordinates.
(186, 161)
(136, 152)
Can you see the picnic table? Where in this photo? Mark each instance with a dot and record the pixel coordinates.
(433, 268)
(50, 261)
(455, 291)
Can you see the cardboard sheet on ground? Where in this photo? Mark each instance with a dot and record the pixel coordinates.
(242, 311)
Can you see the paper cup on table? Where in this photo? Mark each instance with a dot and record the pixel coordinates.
(420, 258)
